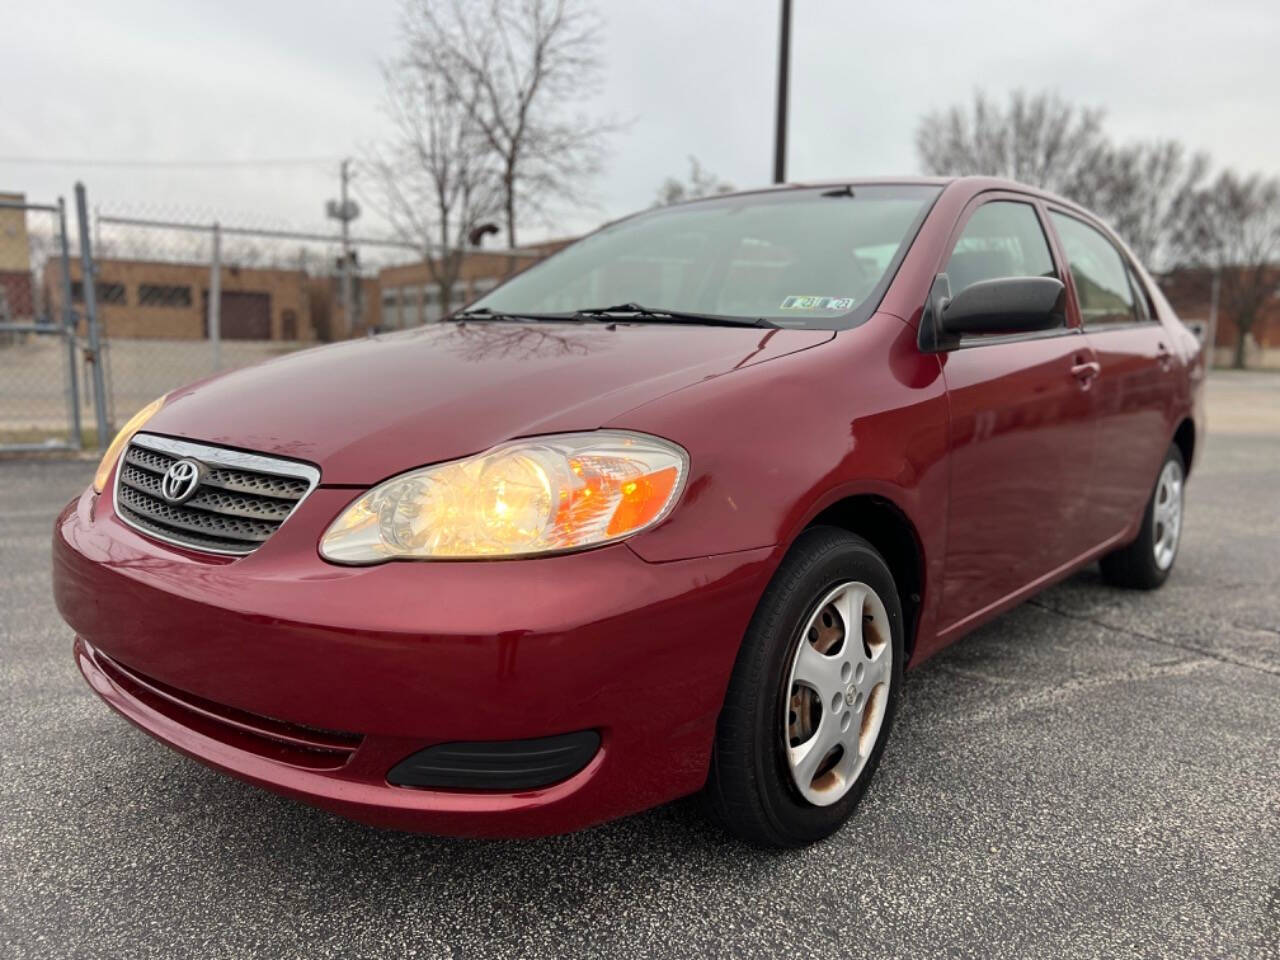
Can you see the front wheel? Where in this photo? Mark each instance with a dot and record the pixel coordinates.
(812, 696)
(1145, 563)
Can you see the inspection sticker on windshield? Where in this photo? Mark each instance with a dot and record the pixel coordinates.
(817, 303)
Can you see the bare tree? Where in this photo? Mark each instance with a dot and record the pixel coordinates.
(1235, 231)
(434, 178)
(701, 183)
(1147, 192)
(247, 252)
(1038, 140)
(518, 67)
(1144, 190)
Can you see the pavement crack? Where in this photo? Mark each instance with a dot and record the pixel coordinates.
(1256, 628)
(1163, 641)
(1069, 688)
(978, 675)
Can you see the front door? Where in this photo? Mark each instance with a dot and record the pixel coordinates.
(1022, 422)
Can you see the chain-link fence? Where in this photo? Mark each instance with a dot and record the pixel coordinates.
(182, 295)
(175, 295)
(40, 388)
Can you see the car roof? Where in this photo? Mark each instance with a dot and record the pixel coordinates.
(972, 185)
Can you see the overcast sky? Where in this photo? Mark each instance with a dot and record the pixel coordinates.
(237, 80)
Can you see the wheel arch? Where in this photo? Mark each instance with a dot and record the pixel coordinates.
(884, 525)
(1184, 438)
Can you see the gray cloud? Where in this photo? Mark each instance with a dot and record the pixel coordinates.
(299, 78)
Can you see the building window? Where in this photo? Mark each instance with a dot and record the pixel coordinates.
(161, 295)
(104, 292)
(458, 296)
(391, 315)
(431, 303)
(410, 306)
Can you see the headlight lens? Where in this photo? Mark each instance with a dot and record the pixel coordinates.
(542, 495)
(135, 423)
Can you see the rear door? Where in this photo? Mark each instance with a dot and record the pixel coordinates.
(1021, 425)
(1135, 382)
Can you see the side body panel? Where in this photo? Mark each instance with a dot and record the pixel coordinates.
(1184, 389)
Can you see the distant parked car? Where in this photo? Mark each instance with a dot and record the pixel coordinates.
(671, 511)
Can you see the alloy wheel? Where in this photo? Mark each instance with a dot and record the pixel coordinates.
(837, 692)
(1167, 515)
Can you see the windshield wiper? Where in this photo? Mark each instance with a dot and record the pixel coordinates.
(484, 313)
(634, 310)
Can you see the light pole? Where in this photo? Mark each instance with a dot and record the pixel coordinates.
(784, 70)
(345, 210)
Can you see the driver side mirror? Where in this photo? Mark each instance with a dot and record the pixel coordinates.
(1007, 305)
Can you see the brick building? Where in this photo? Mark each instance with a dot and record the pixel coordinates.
(164, 300)
(1190, 291)
(154, 299)
(409, 296)
(17, 294)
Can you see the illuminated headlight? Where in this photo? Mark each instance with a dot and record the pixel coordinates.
(541, 495)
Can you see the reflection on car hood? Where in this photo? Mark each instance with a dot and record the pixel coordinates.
(366, 409)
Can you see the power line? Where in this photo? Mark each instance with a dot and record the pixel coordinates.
(193, 164)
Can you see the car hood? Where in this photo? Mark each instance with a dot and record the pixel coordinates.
(366, 409)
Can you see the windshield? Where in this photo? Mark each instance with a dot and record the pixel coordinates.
(816, 258)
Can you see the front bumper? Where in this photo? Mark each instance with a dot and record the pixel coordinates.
(281, 647)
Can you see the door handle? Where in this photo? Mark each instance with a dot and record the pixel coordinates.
(1084, 372)
(1164, 357)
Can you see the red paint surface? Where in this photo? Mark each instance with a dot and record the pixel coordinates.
(1011, 471)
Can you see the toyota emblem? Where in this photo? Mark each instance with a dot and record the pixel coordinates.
(180, 481)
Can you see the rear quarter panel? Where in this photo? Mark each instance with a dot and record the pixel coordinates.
(1193, 356)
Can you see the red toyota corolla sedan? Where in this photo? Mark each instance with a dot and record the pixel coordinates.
(669, 512)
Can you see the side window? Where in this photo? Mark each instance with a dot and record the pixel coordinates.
(1100, 274)
(1002, 239)
(1145, 309)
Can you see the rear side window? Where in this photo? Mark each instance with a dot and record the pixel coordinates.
(1145, 310)
(1101, 278)
(1002, 239)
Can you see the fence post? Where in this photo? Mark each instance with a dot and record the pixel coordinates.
(69, 327)
(88, 284)
(215, 297)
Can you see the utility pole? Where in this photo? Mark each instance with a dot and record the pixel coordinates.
(784, 71)
(344, 211)
(348, 313)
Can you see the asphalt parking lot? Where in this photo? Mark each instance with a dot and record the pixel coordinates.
(1095, 774)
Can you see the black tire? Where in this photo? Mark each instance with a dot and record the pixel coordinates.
(1134, 566)
(750, 789)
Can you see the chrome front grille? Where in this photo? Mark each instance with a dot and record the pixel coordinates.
(239, 501)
